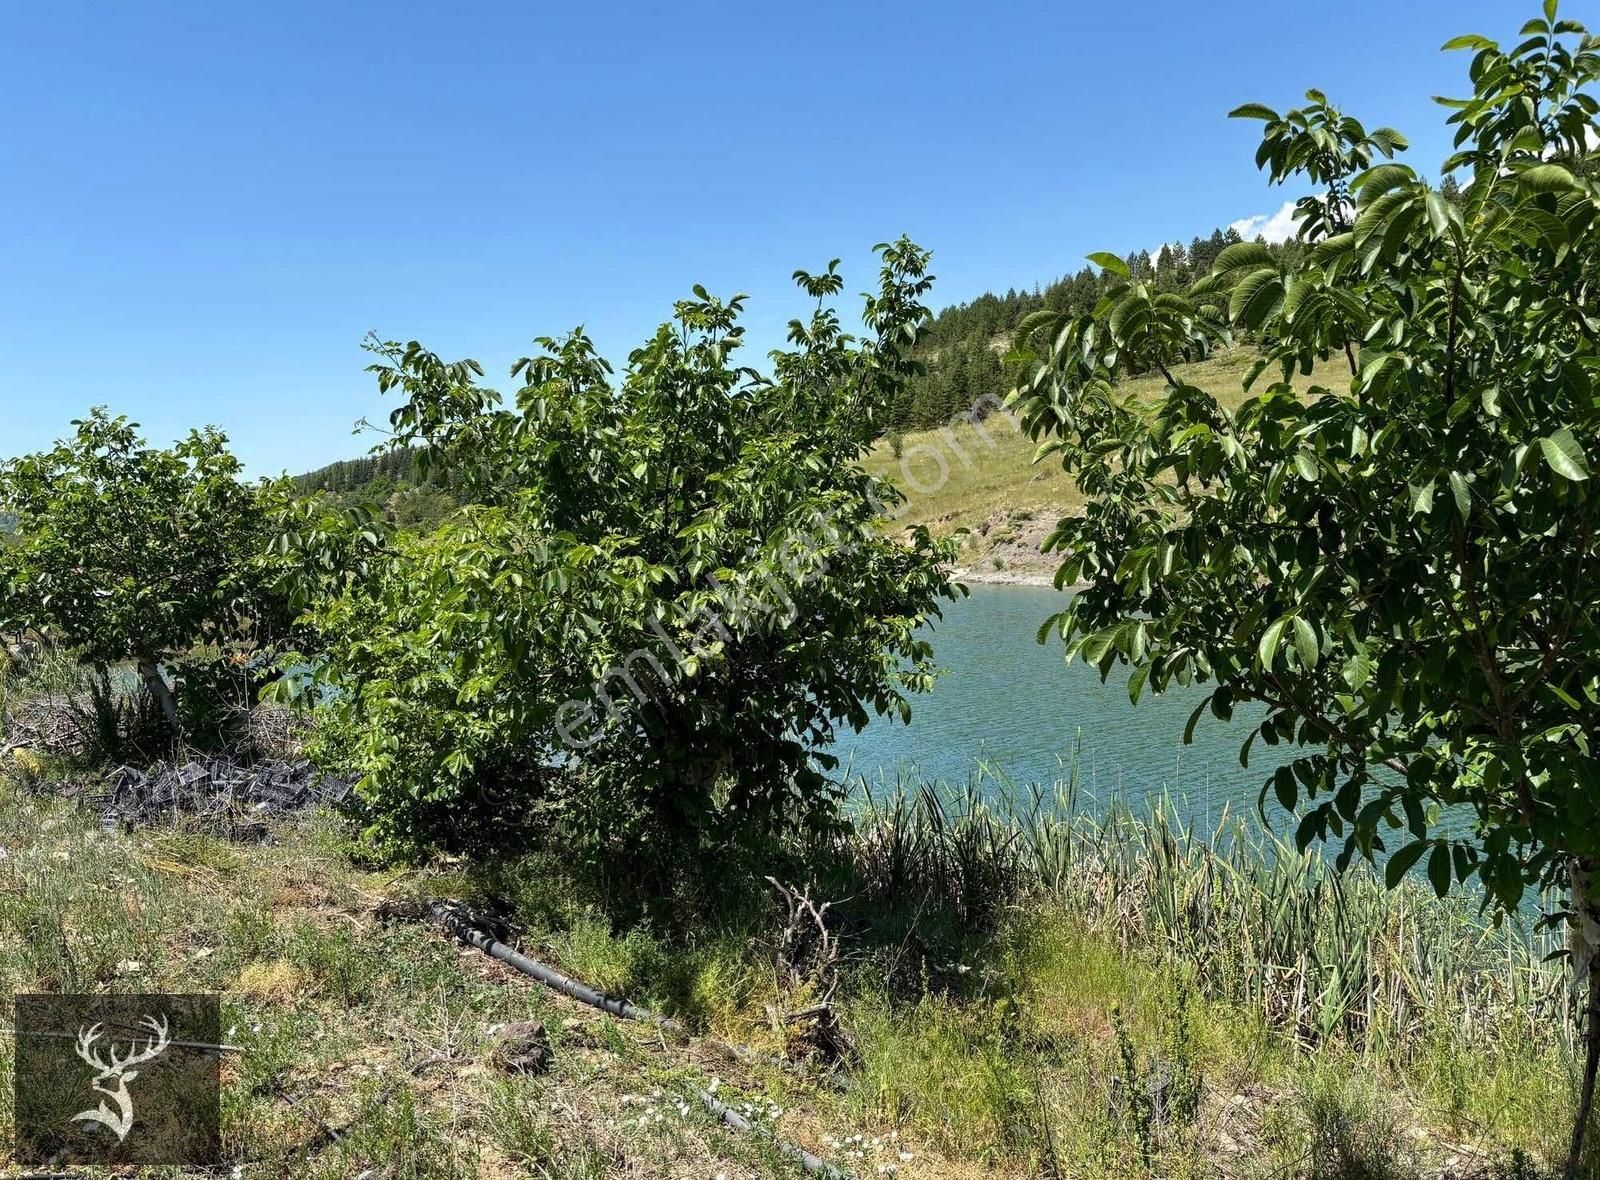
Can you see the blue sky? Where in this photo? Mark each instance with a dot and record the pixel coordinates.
(203, 206)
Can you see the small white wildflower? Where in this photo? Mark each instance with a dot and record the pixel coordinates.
(906, 1157)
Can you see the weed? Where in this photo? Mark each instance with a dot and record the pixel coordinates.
(1354, 1132)
(1132, 1095)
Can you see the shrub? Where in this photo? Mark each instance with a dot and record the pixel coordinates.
(669, 591)
(125, 552)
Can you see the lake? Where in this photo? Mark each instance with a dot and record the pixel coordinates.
(1016, 706)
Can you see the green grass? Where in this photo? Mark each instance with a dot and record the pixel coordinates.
(982, 476)
(991, 956)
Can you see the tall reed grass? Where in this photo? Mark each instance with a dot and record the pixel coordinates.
(1321, 955)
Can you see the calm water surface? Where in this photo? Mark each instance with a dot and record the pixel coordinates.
(1014, 705)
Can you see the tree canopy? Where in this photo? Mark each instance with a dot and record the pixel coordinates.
(125, 551)
(1400, 568)
(664, 594)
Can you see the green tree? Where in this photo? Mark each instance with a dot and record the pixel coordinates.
(128, 552)
(667, 592)
(1401, 568)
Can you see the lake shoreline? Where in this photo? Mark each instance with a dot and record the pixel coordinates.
(1039, 579)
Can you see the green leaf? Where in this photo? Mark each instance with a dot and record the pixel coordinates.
(1400, 863)
(1310, 826)
(1254, 110)
(1305, 642)
(1547, 178)
(1268, 648)
(1439, 869)
(1565, 456)
(1096, 646)
(1467, 41)
(1421, 499)
(1416, 818)
(1245, 294)
(1109, 261)
(1358, 670)
(1439, 213)
(1285, 787)
(1136, 682)
(1243, 255)
(1463, 497)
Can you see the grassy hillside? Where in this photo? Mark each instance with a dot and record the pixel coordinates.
(982, 477)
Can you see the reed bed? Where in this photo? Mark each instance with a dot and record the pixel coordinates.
(1320, 955)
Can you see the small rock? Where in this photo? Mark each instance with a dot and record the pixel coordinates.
(522, 1046)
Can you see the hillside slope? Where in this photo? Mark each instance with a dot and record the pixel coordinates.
(982, 477)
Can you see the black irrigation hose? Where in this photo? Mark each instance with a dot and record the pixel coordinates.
(460, 923)
(817, 1167)
(462, 926)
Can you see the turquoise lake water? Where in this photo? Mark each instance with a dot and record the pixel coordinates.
(1016, 706)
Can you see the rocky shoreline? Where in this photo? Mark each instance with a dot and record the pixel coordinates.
(1004, 577)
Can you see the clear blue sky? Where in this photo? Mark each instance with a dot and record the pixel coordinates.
(204, 206)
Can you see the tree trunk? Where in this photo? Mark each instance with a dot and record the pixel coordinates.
(1585, 944)
(161, 690)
